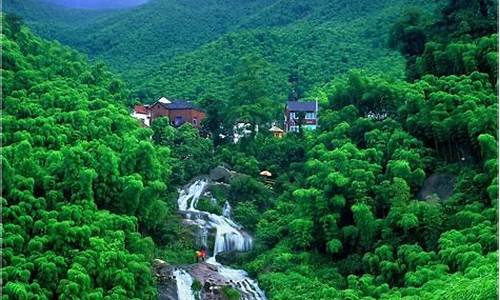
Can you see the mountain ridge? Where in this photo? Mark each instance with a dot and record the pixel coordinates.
(319, 39)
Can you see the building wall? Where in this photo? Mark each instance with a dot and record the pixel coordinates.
(144, 118)
(291, 124)
(157, 111)
(187, 115)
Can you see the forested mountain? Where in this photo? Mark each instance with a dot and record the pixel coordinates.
(393, 196)
(98, 4)
(348, 220)
(185, 48)
(84, 189)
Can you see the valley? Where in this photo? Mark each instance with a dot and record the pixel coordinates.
(253, 150)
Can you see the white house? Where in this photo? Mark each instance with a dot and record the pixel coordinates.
(142, 113)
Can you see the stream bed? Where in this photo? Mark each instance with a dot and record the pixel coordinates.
(229, 236)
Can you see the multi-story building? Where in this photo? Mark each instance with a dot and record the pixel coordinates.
(301, 114)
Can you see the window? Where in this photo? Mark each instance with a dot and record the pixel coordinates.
(294, 129)
(195, 120)
(178, 120)
(292, 115)
(310, 115)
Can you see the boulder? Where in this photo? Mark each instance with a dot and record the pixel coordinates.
(440, 185)
(231, 257)
(167, 287)
(221, 173)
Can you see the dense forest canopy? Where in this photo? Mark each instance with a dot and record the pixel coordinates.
(190, 48)
(84, 187)
(88, 195)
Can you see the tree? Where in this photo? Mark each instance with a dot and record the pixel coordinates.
(301, 233)
(214, 121)
(250, 101)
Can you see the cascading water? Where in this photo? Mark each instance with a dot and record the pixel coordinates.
(193, 192)
(226, 210)
(229, 236)
(184, 282)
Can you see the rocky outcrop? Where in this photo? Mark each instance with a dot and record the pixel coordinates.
(211, 281)
(221, 174)
(231, 257)
(440, 185)
(167, 287)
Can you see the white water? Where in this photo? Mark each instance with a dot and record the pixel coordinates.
(193, 192)
(184, 282)
(226, 210)
(229, 236)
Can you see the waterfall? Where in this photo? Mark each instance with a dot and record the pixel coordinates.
(248, 288)
(184, 282)
(226, 210)
(193, 193)
(229, 236)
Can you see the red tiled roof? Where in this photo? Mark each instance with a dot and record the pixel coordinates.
(140, 109)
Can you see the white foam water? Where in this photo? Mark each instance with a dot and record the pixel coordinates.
(184, 282)
(229, 236)
(226, 210)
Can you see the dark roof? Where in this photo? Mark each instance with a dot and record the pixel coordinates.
(179, 104)
(301, 105)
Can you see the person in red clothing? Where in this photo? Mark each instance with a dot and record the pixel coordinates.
(203, 253)
(198, 256)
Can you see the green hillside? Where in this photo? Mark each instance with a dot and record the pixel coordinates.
(68, 156)
(86, 195)
(393, 196)
(316, 51)
(190, 48)
(167, 27)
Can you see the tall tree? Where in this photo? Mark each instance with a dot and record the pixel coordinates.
(250, 102)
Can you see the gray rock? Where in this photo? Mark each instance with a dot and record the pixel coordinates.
(231, 257)
(440, 185)
(221, 173)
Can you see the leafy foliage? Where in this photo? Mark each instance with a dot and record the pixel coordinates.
(341, 216)
(80, 178)
(189, 49)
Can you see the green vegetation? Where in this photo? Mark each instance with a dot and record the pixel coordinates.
(461, 40)
(82, 183)
(88, 194)
(231, 293)
(346, 222)
(192, 48)
(189, 152)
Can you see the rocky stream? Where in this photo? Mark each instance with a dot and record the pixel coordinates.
(176, 281)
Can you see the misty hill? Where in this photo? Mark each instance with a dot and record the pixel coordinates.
(188, 48)
(98, 4)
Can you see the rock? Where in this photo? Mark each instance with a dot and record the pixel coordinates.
(441, 185)
(229, 258)
(221, 173)
(158, 263)
(167, 287)
(204, 272)
(167, 290)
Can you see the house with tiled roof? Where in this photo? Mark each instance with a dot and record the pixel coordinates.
(141, 112)
(178, 112)
(301, 113)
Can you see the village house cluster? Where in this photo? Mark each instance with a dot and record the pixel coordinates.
(178, 112)
(296, 114)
